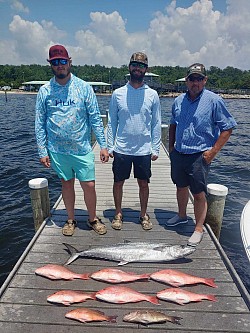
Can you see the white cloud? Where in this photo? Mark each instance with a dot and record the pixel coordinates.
(176, 37)
(19, 7)
(32, 40)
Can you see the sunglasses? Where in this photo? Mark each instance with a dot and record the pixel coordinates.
(138, 64)
(56, 62)
(195, 78)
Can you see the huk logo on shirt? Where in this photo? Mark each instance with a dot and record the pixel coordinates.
(70, 102)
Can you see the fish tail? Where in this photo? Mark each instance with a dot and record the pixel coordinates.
(145, 276)
(153, 299)
(174, 320)
(74, 254)
(92, 296)
(85, 276)
(211, 283)
(211, 298)
(112, 319)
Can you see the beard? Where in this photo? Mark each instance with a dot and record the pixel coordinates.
(61, 75)
(136, 77)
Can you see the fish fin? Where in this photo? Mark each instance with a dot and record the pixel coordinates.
(71, 249)
(74, 254)
(122, 263)
(211, 283)
(85, 276)
(159, 248)
(174, 320)
(71, 259)
(211, 298)
(112, 319)
(154, 300)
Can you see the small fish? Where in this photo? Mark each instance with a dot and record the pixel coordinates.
(133, 252)
(68, 297)
(176, 278)
(120, 294)
(57, 272)
(86, 315)
(113, 275)
(146, 317)
(182, 297)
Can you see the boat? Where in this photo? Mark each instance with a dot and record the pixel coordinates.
(245, 228)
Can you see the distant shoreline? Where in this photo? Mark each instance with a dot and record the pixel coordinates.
(171, 95)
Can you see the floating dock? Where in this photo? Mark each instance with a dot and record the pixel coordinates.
(23, 296)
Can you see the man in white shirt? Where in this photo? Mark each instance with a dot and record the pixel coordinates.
(134, 136)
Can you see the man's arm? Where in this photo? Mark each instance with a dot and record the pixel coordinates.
(209, 155)
(171, 137)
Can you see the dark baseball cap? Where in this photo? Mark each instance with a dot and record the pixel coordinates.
(139, 57)
(196, 69)
(58, 52)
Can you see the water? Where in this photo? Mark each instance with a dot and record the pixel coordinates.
(20, 163)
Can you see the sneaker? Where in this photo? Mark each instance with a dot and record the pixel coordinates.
(98, 226)
(145, 222)
(69, 228)
(175, 220)
(117, 222)
(195, 239)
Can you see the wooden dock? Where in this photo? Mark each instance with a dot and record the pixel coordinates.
(23, 304)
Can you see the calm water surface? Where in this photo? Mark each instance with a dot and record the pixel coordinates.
(20, 163)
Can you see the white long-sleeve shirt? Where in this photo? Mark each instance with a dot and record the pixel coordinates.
(134, 126)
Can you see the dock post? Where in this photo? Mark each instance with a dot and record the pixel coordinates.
(164, 135)
(216, 203)
(39, 194)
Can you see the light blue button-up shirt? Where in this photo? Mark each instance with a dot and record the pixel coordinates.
(134, 126)
(199, 122)
(65, 116)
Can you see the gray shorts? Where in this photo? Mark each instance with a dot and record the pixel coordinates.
(189, 170)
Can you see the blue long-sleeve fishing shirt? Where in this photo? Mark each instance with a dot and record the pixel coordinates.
(64, 117)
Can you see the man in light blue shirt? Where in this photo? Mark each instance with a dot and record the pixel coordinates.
(199, 127)
(66, 110)
(134, 136)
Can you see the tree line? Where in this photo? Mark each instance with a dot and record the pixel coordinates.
(227, 78)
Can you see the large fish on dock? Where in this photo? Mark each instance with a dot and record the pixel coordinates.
(68, 297)
(120, 295)
(113, 275)
(146, 317)
(182, 297)
(57, 272)
(177, 278)
(133, 252)
(87, 315)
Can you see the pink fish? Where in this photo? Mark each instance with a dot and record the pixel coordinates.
(85, 315)
(57, 272)
(177, 278)
(68, 297)
(120, 294)
(182, 297)
(117, 276)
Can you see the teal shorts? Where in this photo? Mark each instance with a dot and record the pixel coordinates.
(74, 166)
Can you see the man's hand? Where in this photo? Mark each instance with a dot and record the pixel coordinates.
(104, 155)
(154, 157)
(45, 161)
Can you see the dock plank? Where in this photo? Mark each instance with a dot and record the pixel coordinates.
(24, 306)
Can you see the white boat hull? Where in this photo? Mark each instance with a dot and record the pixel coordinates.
(245, 228)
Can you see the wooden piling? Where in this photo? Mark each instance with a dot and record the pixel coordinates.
(39, 194)
(216, 203)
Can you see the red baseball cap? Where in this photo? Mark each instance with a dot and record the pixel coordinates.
(58, 52)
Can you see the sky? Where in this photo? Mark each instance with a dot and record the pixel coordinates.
(107, 32)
